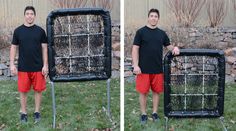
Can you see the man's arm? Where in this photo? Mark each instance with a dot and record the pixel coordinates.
(12, 59)
(135, 58)
(173, 49)
(45, 60)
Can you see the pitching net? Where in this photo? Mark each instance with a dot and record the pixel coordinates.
(194, 83)
(79, 44)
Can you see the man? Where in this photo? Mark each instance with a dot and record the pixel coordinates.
(32, 61)
(147, 56)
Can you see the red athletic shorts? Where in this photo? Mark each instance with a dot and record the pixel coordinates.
(28, 79)
(145, 81)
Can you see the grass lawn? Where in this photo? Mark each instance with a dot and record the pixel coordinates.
(78, 104)
(132, 114)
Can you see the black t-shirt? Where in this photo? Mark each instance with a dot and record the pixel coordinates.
(29, 40)
(151, 42)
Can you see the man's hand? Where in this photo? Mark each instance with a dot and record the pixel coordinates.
(45, 71)
(13, 70)
(137, 70)
(175, 51)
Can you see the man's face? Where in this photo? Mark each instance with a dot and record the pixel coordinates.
(29, 16)
(153, 18)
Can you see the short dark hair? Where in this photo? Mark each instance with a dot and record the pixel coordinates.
(30, 8)
(154, 10)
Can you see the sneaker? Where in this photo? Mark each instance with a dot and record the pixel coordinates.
(23, 117)
(155, 117)
(37, 117)
(143, 119)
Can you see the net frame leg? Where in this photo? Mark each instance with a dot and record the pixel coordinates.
(107, 109)
(222, 123)
(53, 105)
(166, 123)
(108, 98)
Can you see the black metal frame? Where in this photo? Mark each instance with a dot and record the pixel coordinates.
(107, 43)
(221, 84)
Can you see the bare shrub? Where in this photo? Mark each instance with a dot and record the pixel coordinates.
(129, 38)
(179, 36)
(234, 4)
(208, 41)
(186, 11)
(182, 38)
(216, 11)
(69, 3)
(106, 4)
(4, 37)
(234, 7)
(3, 41)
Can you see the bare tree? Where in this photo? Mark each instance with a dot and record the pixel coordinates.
(69, 3)
(186, 11)
(216, 11)
(106, 4)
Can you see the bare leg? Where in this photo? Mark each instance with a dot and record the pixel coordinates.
(155, 101)
(37, 98)
(23, 102)
(143, 102)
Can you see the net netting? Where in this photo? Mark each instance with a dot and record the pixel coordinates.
(194, 83)
(79, 45)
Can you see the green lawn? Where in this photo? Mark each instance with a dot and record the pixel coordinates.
(79, 106)
(132, 114)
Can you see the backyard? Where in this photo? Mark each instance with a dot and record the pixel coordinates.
(79, 107)
(132, 114)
